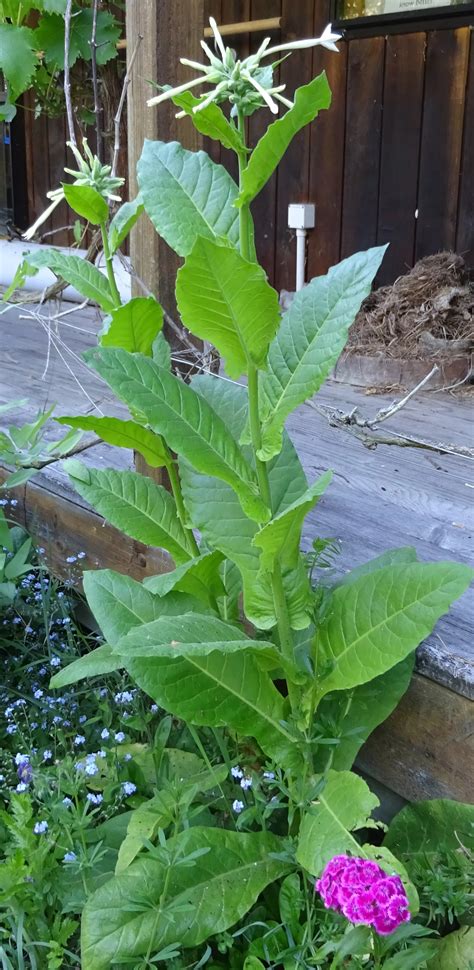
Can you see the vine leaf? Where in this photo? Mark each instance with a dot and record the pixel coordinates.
(133, 326)
(343, 807)
(18, 57)
(186, 195)
(309, 101)
(133, 503)
(376, 621)
(130, 913)
(311, 337)
(124, 434)
(187, 422)
(225, 299)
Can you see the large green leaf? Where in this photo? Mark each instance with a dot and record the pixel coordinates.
(132, 915)
(311, 337)
(404, 554)
(125, 434)
(343, 807)
(49, 37)
(217, 690)
(280, 539)
(133, 326)
(369, 706)
(123, 221)
(227, 300)
(309, 101)
(96, 663)
(184, 418)
(18, 57)
(87, 202)
(119, 603)
(199, 577)
(373, 623)
(431, 828)
(81, 274)
(134, 504)
(210, 121)
(455, 951)
(192, 635)
(216, 512)
(186, 195)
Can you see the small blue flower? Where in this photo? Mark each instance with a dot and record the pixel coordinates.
(269, 775)
(47, 755)
(236, 772)
(127, 757)
(81, 555)
(70, 857)
(94, 799)
(128, 788)
(237, 806)
(40, 827)
(78, 740)
(154, 708)
(67, 801)
(38, 694)
(21, 786)
(12, 729)
(55, 661)
(71, 559)
(91, 769)
(119, 736)
(105, 734)
(83, 719)
(246, 783)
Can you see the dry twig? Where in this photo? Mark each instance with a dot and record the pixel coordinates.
(67, 79)
(95, 80)
(118, 115)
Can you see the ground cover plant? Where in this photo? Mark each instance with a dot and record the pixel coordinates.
(278, 680)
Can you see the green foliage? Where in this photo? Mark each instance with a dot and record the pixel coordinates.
(210, 121)
(87, 202)
(18, 58)
(49, 37)
(125, 434)
(428, 828)
(74, 269)
(186, 195)
(123, 222)
(26, 449)
(134, 326)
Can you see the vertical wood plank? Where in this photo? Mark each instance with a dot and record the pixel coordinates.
(293, 171)
(400, 151)
(441, 139)
(362, 147)
(265, 205)
(465, 226)
(37, 151)
(327, 153)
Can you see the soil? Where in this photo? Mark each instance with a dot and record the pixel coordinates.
(426, 314)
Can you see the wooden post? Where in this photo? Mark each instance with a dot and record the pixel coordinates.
(170, 29)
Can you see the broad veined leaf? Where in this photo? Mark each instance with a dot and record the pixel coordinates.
(161, 351)
(215, 510)
(311, 337)
(119, 603)
(49, 36)
(343, 807)
(373, 623)
(134, 504)
(392, 866)
(98, 662)
(184, 418)
(18, 57)
(131, 915)
(133, 326)
(430, 829)
(309, 101)
(125, 434)
(217, 690)
(455, 951)
(405, 554)
(193, 636)
(186, 195)
(199, 577)
(211, 121)
(225, 299)
(160, 810)
(87, 279)
(87, 202)
(123, 221)
(370, 705)
(279, 540)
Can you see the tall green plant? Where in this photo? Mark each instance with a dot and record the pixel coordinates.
(236, 636)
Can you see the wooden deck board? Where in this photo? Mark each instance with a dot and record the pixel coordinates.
(378, 499)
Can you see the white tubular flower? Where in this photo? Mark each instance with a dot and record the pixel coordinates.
(57, 196)
(246, 84)
(328, 40)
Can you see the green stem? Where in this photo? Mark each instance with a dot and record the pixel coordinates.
(279, 598)
(180, 507)
(109, 265)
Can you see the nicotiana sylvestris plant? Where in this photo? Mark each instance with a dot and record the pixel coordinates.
(235, 635)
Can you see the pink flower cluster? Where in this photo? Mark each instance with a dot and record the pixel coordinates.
(363, 892)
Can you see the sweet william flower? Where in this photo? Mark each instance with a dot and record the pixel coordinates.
(364, 893)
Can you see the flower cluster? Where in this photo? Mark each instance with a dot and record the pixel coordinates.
(247, 84)
(363, 893)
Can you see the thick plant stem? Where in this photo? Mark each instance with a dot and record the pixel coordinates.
(178, 497)
(109, 266)
(279, 597)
